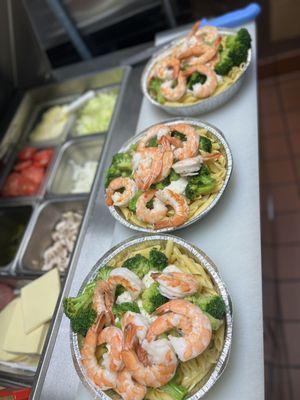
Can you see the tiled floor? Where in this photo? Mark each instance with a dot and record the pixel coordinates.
(280, 209)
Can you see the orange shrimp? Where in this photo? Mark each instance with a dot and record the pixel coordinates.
(190, 147)
(171, 92)
(201, 53)
(158, 130)
(209, 86)
(147, 165)
(113, 338)
(187, 317)
(129, 389)
(178, 203)
(168, 68)
(153, 215)
(113, 197)
(103, 300)
(167, 160)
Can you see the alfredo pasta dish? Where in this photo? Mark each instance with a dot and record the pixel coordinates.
(151, 325)
(168, 177)
(202, 64)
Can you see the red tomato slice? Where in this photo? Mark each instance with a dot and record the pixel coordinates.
(22, 165)
(27, 153)
(35, 174)
(27, 186)
(43, 157)
(11, 187)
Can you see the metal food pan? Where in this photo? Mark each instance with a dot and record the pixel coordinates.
(141, 242)
(203, 105)
(9, 216)
(36, 118)
(218, 135)
(9, 167)
(79, 151)
(16, 134)
(39, 239)
(10, 374)
(74, 135)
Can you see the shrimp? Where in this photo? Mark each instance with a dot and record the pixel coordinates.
(139, 321)
(158, 130)
(150, 215)
(101, 376)
(162, 360)
(103, 300)
(200, 53)
(187, 317)
(209, 156)
(190, 147)
(113, 337)
(147, 165)
(113, 197)
(128, 388)
(178, 203)
(209, 34)
(188, 166)
(128, 279)
(167, 160)
(175, 284)
(209, 86)
(173, 93)
(168, 68)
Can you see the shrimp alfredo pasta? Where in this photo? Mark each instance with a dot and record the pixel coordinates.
(168, 177)
(202, 64)
(151, 325)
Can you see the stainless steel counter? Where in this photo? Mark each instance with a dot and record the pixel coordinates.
(230, 235)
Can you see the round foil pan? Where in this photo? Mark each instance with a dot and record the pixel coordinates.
(140, 242)
(117, 213)
(202, 106)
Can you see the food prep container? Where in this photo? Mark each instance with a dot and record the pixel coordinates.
(48, 214)
(141, 242)
(202, 106)
(14, 221)
(117, 213)
(8, 373)
(78, 151)
(36, 118)
(74, 134)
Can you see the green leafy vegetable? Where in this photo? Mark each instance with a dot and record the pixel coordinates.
(205, 144)
(212, 305)
(158, 259)
(195, 78)
(120, 166)
(200, 184)
(174, 390)
(154, 89)
(152, 299)
(138, 264)
(120, 309)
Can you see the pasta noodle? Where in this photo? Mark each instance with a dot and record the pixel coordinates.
(194, 373)
(218, 169)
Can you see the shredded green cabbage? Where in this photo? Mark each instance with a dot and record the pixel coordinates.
(95, 116)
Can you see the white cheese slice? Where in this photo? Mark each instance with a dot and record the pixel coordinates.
(16, 340)
(5, 318)
(38, 300)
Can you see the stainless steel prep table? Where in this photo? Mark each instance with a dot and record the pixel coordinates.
(230, 235)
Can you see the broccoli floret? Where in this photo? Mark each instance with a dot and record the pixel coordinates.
(174, 390)
(195, 78)
(120, 309)
(165, 182)
(104, 272)
(225, 64)
(138, 264)
(158, 259)
(120, 166)
(205, 144)
(153, 142)
(83, 320)
(238, 53)
(133, 201)
(215, 323)
(212, 305)
(79, 310)
(244, 37)
(154, 89)
(152, 299)
(179, 135)
(203, 183)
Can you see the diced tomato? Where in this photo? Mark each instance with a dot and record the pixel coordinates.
(27, 153)
(35, 174)
(22, 165)
(27, 186)
(11, 187)
(43, 157)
